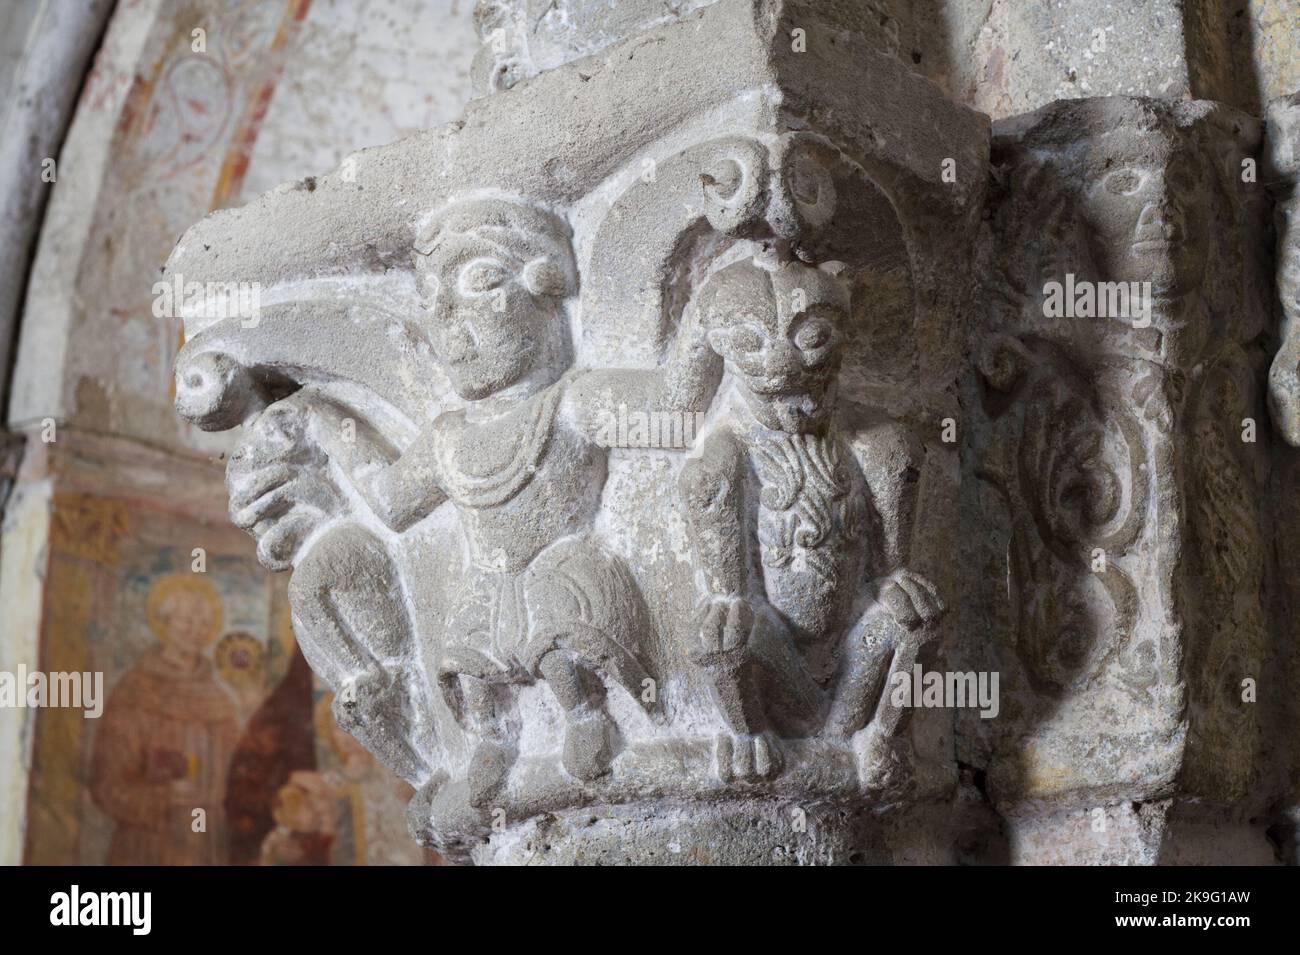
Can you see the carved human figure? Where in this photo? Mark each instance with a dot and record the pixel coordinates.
(787, 536)
(520, 463)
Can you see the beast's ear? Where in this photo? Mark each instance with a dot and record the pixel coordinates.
(544, 278)
(836, 269)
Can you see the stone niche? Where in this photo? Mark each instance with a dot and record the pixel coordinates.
(635, 440)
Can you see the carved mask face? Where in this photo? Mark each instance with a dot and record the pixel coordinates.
(492, 318)
(781, 336)
(1143, 214)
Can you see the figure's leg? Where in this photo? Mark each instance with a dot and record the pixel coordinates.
(868, 655)
(879, 655)
(589, 731)
(486, 710)
(353, 632)
(723, 652)
(588, 624)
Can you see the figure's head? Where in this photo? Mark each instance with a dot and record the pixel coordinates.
(1117, 182)
(241, 660)
(493, 275)
(184, 612)
(1141, 204)
(780, 330)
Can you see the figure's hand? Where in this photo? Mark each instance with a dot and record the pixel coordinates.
(910, 599)
(279, 482)
(165, 766)
(722, 626)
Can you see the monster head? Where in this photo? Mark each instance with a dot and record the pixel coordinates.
(780, 329)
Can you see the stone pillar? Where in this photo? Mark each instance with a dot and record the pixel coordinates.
(1283, 173)
(643, 442)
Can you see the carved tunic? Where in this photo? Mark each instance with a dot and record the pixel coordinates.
(524, 462)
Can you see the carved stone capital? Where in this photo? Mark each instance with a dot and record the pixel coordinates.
(602, 434)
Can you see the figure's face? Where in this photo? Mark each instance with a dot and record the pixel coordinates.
(487, 327)
(781, 337)
(189, 620)
(1143, 217)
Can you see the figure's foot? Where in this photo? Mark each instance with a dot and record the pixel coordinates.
(745, 757)
(723, 626)
(588, 744)
(488, 768)
(886, 764)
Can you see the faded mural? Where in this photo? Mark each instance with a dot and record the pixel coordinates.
(210, 705)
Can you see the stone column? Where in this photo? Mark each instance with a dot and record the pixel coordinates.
(610, 434)
(1119, 451)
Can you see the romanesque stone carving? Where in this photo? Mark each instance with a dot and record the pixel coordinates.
(787, 538)
(1117, 440)
(566, 643)
(631, 442)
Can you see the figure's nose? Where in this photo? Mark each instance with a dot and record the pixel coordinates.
(1162, 213)
(783, 359)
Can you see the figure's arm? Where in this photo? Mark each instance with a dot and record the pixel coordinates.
(410, 488)
(401, 489)
(894, 483)
(713, 496)
(684, 384)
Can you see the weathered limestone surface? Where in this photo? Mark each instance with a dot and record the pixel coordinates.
(1120, 498)
(591, 630)
(633, 439)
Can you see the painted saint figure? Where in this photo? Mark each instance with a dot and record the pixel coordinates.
(165, 740)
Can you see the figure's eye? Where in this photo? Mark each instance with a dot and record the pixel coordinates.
(747, 338)
(812, 335)
(482, 276)
(1122, 182)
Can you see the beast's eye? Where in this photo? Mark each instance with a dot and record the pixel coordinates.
(482, 276)
(1122, 182)
(812, 335)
